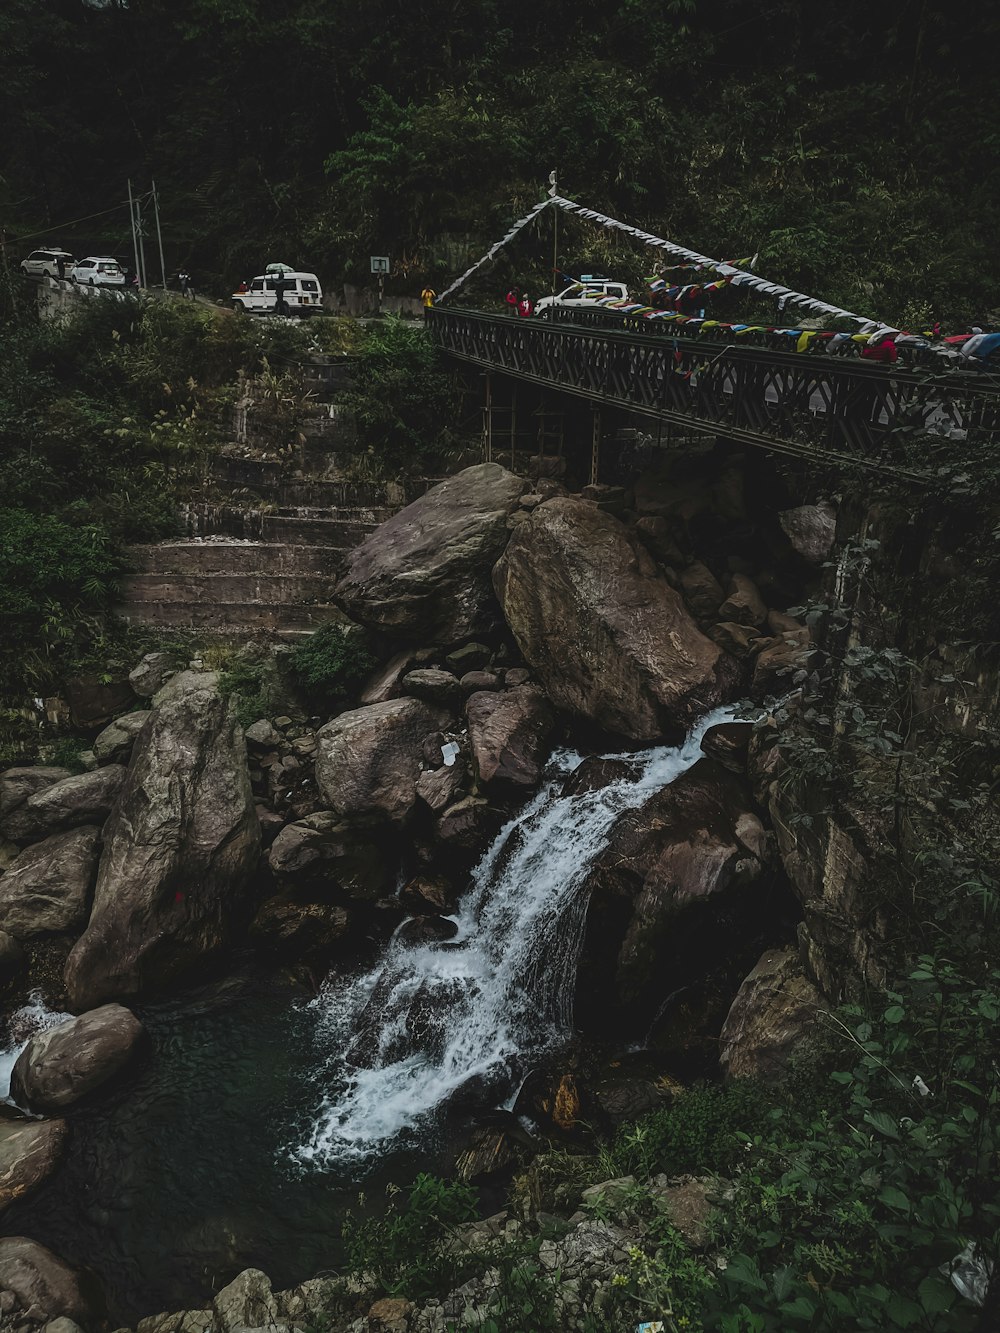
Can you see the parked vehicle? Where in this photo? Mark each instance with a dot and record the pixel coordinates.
(302, 294)
(583, 293)
(45, 263)
(99, 271)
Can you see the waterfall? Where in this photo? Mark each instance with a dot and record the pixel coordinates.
(33, 1017)
(480, 1007)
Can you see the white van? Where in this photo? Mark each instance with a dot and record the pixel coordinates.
(303, 295)
(584, 293)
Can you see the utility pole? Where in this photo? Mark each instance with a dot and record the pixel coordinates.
(135, 238)
(142, 240)
(553, 183)
(159, 236)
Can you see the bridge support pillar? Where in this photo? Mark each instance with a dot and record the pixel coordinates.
(595, 447)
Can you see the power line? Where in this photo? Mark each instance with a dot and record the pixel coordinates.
(63, 226)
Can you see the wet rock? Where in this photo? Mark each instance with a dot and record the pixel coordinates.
(13, 959)
(17, 784)
(433, 687)
(427, 892)
(29, 1152)
(40, 1280)
(85, 799)
(773, 1011)
(183, 683)
(467, 825)
(427, 930)
(298, 928)
(263, 735)
(114, 744)
(426, 571)
(384, 682)
(470, 657)
(490, 1151)
(516, 676)
(178, 854)
(744, 604)
(727, 742)
(595, 773)
(47, 889)
(702, 591)
(60, 1066)
(739, 640)
(439, 787)
(610, 641)
(368, 760)
(811, 529)
(247, 1302)
(347, 855)
(479, 680)
(509, 734)
(152, 673)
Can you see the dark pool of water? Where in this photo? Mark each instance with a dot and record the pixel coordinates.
(178, 1178)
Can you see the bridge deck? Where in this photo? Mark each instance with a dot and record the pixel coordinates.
(822, 407)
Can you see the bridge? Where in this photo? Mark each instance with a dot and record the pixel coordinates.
(820, 406)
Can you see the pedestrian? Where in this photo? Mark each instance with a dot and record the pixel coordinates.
(184, 278)
(512, 301)
(279, 295)
(881, 348)
(525, 307)
(243, 287)
(61, 267)
(428, 296)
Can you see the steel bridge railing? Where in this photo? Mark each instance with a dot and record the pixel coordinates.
(822, 407)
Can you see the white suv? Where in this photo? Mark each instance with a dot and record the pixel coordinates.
(302, 294)
(45, 263)
(583, 294)
(99, 271)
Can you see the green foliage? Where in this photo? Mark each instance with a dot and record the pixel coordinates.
(253, 684)
(403, 1246)
(704, 1130)
(333, 662)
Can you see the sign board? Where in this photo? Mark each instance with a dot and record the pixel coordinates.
(380, 263)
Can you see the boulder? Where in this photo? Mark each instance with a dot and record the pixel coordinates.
(427, 893)
(608, 638)
(246, 1303)
(653, 891)
(480, 680)
(17, 784)
(94, 701)
(425, 573)
(595, 773)
(85, 799)
(776, 665)
(29, 1152)
(41, 1281)
(744, 604)
(773, 1011)
(114, 744)
(47, 889)
(183, 683)
(702, 591)
(468, 825)
(63, 1064)
(508, 733)
(346, 855)
(434, 687)
(811, 529)
(263, 735)
(368, 760)
(738, 640)
(727, 742)
(516, 676)
(152, 673)
(178, 853)
(299, 928)
(439, 787)
(384, 682)
(470, 657)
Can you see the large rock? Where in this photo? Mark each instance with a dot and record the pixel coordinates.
(29, 1152)
(178, 853)
(607, 636)
(247, 1302)
(508, 733)
(299, 928)
(41, 1281)
(368, 760)
(17, 784)
(183, 683)
(85, 799)
(94, 700)
(348, 856)
(114, 744)
(773, 1011)
(47, 889)
(811, 529)
(672, 871)
(63, 1064)
(425, 573)
(152, 674)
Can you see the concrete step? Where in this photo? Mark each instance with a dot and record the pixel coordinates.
(344, 534)
(204, 556)
(228, 589)
(297, 527)
(228, 616)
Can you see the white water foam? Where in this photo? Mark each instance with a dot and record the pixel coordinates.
(431, 1017)
(22, 1025)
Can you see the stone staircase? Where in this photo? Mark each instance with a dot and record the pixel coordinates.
(262, 551)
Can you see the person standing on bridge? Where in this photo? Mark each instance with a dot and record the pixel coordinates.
(526, 306)
(511, 301)
(280, 283)
(61, 267)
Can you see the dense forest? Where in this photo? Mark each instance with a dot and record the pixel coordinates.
(853, 145)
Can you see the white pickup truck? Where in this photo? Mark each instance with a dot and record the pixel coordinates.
(583, 294)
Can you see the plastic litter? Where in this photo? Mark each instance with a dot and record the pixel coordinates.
(970, 1274)
(450, 751)
(920, 1086)
(655, 1327)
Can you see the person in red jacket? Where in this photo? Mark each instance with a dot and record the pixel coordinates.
(882, 349)
(525, 306)
(511, 300)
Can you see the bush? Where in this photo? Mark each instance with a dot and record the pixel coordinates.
(333, 662)
(704, 1130)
